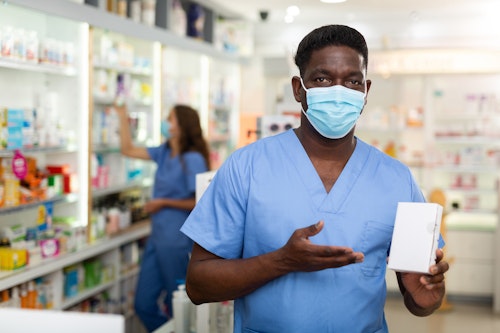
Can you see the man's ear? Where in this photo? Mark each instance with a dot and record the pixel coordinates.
(368, 85)
(296, 87)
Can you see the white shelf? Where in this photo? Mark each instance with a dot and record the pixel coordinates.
(478, 191)
(477, 211)
(129, 273)
(121, 187)
(473, 116)
(124, 69)
(388, 130)
(83, 295)
(36, 67)
(467, 140)
(466, 169)
(102, 19)
(42, 150)
(66, 198)
(109, 100)
(9, 279)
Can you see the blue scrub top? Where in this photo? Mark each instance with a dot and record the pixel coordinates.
(267, 190)
(175, 178)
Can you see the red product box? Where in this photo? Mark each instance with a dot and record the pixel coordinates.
(70, 183)
(58, 169)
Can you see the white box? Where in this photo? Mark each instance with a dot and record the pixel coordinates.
(415, 237)
(202, 181)
(52, 321)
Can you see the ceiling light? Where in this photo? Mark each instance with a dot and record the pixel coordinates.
(333, 1)
(289, 19)
(293, 11)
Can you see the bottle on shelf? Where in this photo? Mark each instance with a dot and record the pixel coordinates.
(32, 296)
(179, 22)
(5, 300)
(12, 185)
(181, 309)
(15, 301)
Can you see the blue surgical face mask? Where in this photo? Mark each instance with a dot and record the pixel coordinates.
(165, 129)
(333, 111)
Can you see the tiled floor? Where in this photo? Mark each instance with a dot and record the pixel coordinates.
(462, 318)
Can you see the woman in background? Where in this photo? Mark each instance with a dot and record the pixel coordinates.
(184, 154)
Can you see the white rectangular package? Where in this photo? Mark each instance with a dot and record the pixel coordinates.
(415, 237)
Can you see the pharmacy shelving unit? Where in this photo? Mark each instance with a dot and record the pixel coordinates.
(184, 80)
(126, 69)
(108, 248)
(82, 24)
(211, 86)
(464, 163)
(54, 90)
(223, 118)
(457, 95)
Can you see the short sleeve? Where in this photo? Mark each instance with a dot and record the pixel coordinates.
(155, 153)
(218, 220)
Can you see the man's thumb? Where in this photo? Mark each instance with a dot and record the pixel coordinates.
(314, 229)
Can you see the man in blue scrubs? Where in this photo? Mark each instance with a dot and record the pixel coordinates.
(296, 228)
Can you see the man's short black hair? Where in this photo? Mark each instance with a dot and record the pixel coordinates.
(330, 35)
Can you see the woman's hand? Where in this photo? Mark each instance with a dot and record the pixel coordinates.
(121, 110)
(153, 206)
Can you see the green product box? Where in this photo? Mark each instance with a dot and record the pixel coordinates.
(93, 273)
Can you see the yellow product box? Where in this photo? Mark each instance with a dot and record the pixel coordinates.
(11, 259)
(3, 128)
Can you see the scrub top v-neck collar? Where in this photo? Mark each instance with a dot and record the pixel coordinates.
(311, 180)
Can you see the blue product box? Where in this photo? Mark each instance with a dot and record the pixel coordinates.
(71, 282)
(15, 118)
(14, 137)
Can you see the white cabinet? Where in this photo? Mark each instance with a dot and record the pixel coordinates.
(471, 257)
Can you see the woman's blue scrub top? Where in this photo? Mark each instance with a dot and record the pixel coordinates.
(174, 179)
(270, 188)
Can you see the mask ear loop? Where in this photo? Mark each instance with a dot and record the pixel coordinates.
(303, 85)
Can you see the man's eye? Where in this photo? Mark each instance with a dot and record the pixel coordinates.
(323, 82)
(353, 83)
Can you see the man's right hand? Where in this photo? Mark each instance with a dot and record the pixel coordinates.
(300, 254)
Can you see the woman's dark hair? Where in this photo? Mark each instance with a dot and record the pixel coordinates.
(330, 35)
(191, 135)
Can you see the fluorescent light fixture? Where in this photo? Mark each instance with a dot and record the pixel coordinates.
(333, 1)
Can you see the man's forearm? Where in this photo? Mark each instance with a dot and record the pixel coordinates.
(216, 279)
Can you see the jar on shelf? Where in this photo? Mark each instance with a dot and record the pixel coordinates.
(148, 12)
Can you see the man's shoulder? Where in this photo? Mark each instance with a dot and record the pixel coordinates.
(385, 159)
(264, 143)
